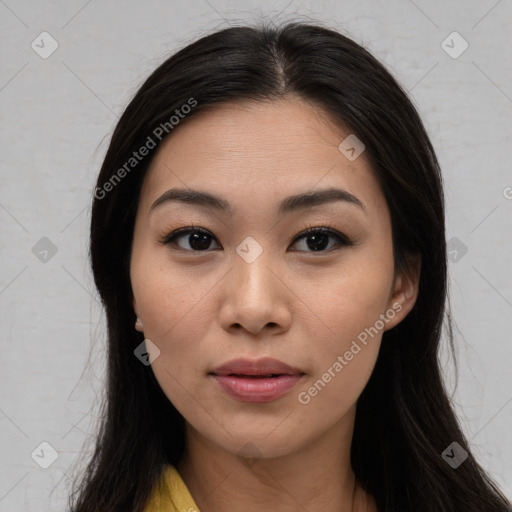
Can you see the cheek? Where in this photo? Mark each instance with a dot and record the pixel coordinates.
(166, 297)
(351, 308)
(169, 305)
(354, 298)
(171, 321)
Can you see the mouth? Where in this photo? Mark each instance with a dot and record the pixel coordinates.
(256, 381)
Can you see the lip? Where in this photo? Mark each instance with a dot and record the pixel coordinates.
(247, 381)
(263, 366)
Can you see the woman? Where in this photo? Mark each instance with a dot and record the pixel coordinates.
(268, 241)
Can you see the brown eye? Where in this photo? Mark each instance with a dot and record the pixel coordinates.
(196, 238)
(317, 239)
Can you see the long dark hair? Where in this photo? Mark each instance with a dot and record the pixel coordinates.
(404, 419)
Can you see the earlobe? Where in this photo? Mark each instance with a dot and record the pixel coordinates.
(138, 323)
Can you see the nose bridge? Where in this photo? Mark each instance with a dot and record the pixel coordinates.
(253, 277)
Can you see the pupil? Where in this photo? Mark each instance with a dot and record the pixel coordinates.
(199, 241)
(317, 240)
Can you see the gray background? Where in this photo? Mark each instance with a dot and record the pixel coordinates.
(57, 116)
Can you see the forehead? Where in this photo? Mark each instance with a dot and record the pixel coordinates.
(257, 151)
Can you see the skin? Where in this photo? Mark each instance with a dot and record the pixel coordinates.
(305, 308)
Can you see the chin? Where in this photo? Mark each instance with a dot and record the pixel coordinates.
(256, 443)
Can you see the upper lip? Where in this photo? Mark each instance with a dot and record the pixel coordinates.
(264, 366)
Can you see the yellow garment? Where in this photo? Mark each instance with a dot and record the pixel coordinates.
(171, 495)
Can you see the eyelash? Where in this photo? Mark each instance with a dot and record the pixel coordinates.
(341, 239)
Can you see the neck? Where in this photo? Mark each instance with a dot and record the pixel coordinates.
(316, 477)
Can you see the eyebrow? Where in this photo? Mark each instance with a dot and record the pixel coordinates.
(287, 205)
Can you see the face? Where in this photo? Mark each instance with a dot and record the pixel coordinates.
(246, 281)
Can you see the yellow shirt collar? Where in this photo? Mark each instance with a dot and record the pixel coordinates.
(171, 494)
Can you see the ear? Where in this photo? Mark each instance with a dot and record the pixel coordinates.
(405, 291)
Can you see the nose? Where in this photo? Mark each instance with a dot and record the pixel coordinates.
(255, 297)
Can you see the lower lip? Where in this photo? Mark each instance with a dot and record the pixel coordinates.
(257, 390)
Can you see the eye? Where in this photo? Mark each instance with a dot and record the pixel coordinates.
(199, 239)
(317, 238)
